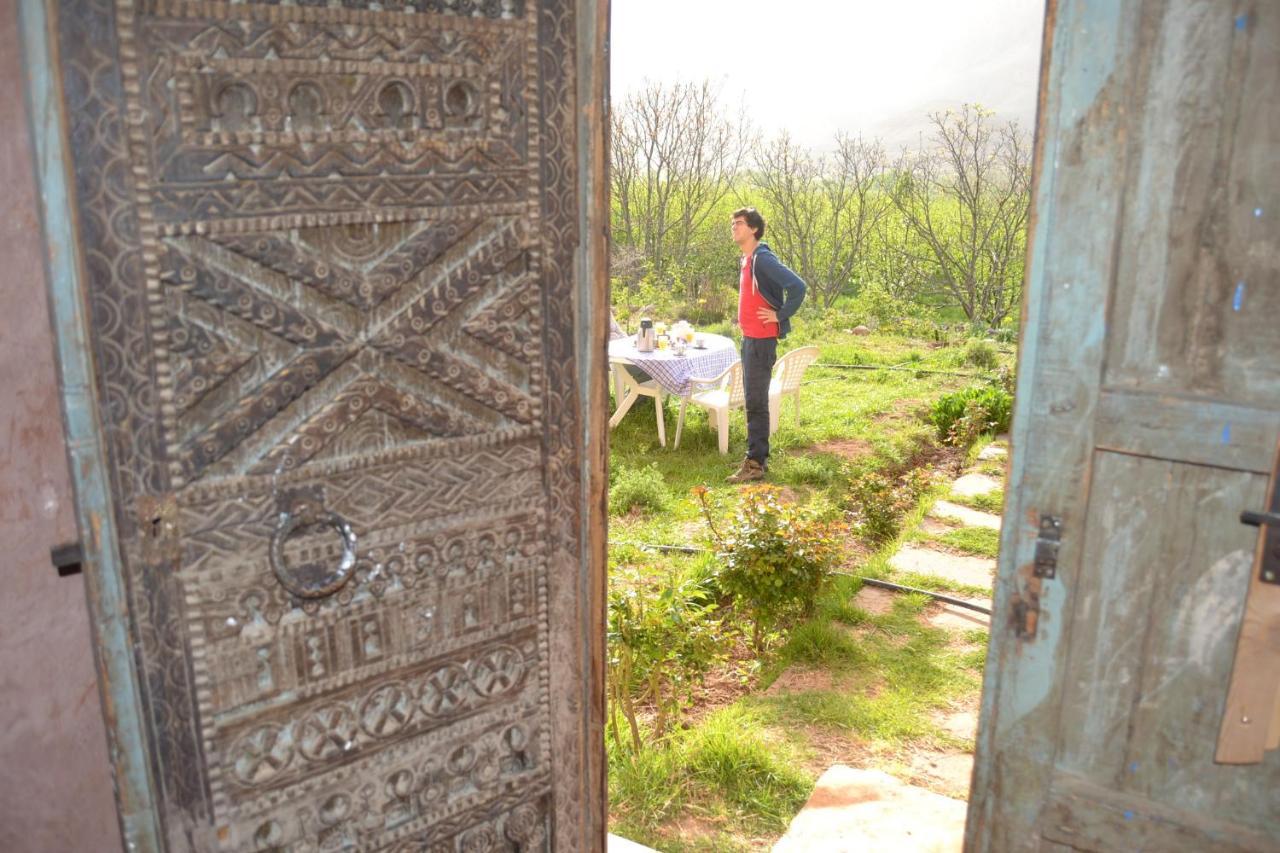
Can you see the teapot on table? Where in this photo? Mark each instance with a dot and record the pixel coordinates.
(647, 337)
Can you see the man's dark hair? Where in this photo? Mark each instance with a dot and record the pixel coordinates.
(753, 218)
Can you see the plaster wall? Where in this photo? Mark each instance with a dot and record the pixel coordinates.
(55, 781)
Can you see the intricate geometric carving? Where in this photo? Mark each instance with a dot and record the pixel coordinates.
(321, 242)
(301, 371)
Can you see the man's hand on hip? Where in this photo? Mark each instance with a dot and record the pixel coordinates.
(767, 315)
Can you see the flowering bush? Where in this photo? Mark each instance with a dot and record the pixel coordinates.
(776, 558)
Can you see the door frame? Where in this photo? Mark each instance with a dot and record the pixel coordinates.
(107, 597)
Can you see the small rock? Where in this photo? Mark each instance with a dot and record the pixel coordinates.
(861, 330)
(993, 451)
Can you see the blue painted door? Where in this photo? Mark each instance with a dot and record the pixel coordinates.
(1147, 416)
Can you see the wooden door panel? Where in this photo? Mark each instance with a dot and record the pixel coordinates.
(1080, 815)
(1150, 656)
(1145, 422)
(330, 251)
(1196, 295)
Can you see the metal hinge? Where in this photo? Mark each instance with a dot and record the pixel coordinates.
(1026, 604)
(1047, 546)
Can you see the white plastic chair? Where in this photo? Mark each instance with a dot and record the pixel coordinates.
(628, 389)
(787, 373)
(718, 395)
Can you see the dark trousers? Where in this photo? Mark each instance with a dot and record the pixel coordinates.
(758, 356)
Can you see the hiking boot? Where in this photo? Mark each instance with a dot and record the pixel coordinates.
(750, 471)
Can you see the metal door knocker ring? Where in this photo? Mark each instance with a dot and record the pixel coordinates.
(319, 577)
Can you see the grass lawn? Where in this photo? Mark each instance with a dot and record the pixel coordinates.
(844, 684)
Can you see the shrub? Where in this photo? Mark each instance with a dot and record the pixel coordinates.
(981, 354)
(961, 417)
(776, 559)
(660, 646)
(880, 501)
(638, 487)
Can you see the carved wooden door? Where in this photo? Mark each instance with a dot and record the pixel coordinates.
(1147, 415)
(327, 251)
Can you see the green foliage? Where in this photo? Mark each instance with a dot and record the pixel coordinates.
(961, 417)
(642, 488)
(880, 501)
(876, 306)
(777, 558)
(659, 648)
(982, 354)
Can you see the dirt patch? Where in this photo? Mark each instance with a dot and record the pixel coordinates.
(874, 600)
(692, 532)
(830, 748)
(800, 680)
(934, 526)
(722, 686)
(848, 448)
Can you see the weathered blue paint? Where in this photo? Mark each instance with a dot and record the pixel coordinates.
(1064, 278)
(108, 603)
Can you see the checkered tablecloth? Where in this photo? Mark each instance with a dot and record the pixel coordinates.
(673, 371)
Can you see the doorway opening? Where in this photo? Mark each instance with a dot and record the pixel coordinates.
(830, 623)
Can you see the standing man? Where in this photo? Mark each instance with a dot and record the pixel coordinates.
(768, 294)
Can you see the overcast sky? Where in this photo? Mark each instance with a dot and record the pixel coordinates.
(870, 66)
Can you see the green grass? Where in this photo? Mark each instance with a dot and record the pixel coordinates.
(727, 772)
(734, 779)
(992, 501)
(978, 541)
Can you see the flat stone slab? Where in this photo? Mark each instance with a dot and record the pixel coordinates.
(962, 724)
(974, 571)
(993, 451)
(948, 774)
(853, 811)
(935, 526)
(953, 618)
(618, 844)
(972, 485)
(963, 514)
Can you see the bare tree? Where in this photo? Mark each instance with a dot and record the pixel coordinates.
(822, 211)
(967, 198)
(675, 155)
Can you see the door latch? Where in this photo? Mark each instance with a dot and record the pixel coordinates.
(1269, 571)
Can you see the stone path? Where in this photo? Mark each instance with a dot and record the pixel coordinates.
(858, 811)
(869, 810)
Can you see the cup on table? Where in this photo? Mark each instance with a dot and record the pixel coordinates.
(663, 341)
(700, 341)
